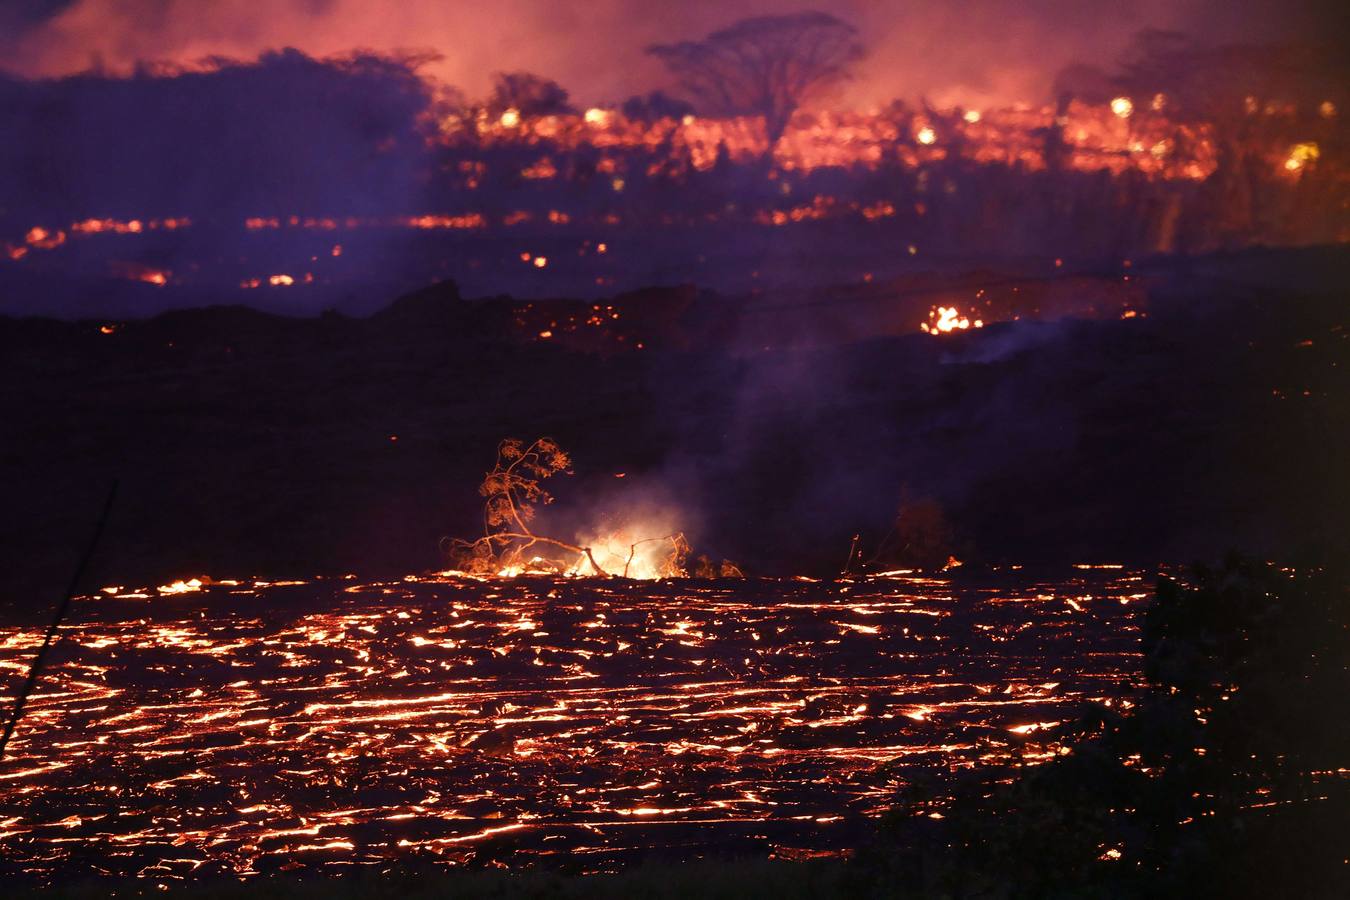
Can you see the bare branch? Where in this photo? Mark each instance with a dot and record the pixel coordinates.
(765, 66)
(511, 490)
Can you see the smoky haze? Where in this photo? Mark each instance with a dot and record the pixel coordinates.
(970, 51)
(225, 141)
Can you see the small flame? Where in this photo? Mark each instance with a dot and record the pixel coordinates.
(182, 587)
(946, 319)
(1302, 154)
(642, 558)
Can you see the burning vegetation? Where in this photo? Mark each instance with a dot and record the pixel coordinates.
(511, 547)
(576, 690)
(1163, 153)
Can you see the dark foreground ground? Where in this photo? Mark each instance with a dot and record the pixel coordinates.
(770, 429)
(720, 879)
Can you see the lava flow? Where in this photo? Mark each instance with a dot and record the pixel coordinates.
(237, 728)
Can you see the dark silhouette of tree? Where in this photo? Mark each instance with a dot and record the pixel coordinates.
(1253, 100)
(921, 536)
(1082, 82)
(528, 94)
(1076, 82)
(1199, 82)
(656, 106)
(765, 66)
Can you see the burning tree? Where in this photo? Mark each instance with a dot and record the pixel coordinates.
(1236, 88)
(1262, 106)
(1087, 83)
(1253, 96)
(764, 66)
(655, 106)
(1244, 92)
(1233, 82)
(528, 94)
(509, 545)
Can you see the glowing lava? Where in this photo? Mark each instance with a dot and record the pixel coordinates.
(220, 729)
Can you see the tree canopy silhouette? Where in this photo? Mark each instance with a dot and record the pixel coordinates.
(528, 94)
(764, 66)
(655, 106)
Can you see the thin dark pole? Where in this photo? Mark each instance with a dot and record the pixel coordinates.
(852, 552)
(36, 669)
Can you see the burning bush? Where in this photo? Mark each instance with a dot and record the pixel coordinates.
(509, 545)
